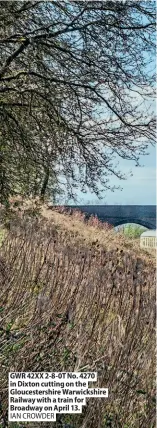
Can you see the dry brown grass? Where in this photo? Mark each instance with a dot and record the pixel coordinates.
(106, 238)
(76, 298)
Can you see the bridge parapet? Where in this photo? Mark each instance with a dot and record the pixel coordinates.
(145, 215)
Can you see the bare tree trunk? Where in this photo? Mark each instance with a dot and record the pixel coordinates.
(45, 184)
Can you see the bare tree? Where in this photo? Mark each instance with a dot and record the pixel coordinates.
(78, 75)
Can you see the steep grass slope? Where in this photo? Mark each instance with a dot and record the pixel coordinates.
(78, 298)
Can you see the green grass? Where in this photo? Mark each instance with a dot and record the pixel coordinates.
(132, 231)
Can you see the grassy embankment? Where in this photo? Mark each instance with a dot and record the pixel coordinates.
(77, 297)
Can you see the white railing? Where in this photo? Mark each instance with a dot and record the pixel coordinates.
(148, 241)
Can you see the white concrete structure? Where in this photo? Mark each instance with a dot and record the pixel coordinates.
(148, 239)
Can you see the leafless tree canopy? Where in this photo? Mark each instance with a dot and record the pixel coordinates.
(75, 80)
